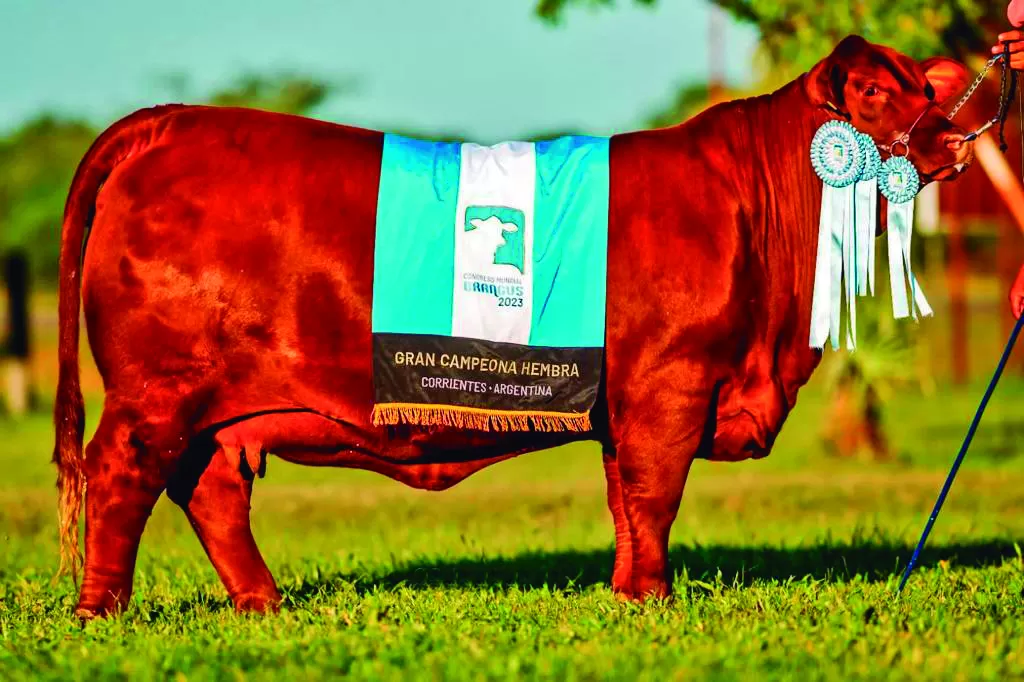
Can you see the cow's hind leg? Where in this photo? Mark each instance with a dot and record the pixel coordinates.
(215, 495)
(126, 466)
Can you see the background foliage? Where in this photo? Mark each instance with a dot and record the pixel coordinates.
(797, 33)
(39, 158)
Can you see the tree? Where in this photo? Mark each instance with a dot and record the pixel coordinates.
(689, 100)
(797, 33)
(551, 10)
(37, 162)
(285, 92)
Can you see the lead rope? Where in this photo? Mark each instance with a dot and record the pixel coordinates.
(963, 451)
(1005, 97)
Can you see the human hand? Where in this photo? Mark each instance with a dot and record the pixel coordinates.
(1015, 15)
(1016, 40)
(1017, 295)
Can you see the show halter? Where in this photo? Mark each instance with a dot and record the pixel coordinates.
(853, 174)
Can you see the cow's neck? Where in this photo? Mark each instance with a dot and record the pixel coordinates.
(784, 210)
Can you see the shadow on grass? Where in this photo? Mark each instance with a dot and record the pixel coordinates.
(739, 566)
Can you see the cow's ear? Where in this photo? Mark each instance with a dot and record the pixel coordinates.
(948, 76)
(826, 82)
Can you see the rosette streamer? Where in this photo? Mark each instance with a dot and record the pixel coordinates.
(899, 183)
(866, 192)
(853, 174)
(839, 159)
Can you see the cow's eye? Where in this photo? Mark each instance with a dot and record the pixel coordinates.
(870, 91)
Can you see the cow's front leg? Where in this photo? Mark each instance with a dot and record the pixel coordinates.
(652, 473)
(622, 575)
(215, 496)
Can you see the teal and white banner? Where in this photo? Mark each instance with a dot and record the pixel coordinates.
(489, 282)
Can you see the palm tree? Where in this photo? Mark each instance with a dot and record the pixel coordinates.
(862, 381)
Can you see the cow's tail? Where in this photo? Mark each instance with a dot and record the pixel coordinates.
(113, 146)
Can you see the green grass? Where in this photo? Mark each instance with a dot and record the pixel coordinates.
(785, 568)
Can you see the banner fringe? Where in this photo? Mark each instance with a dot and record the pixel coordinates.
(478, 419)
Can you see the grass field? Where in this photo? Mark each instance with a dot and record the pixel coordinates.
(784, 568)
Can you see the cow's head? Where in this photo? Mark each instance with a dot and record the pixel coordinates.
(890, 96)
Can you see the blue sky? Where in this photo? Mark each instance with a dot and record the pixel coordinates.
(486, 69)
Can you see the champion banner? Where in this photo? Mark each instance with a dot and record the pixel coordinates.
(489, 283)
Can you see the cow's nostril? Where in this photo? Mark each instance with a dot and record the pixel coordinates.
(954, 141)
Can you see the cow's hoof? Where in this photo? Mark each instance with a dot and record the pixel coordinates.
(86, 613)
(95, 602)
(641, 590)
(258, 603)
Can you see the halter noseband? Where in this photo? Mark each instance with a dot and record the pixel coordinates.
(904, 138)
(1005, 97)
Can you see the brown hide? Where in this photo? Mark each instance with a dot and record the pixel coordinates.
(227, 283)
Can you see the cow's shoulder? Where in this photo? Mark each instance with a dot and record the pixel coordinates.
(681, 225)
(666, 193)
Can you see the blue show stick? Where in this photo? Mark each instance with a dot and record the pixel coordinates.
(963, 451)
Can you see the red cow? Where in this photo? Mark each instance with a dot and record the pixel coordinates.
(227, 277)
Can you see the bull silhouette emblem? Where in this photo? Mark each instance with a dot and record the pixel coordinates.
(492, 240)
